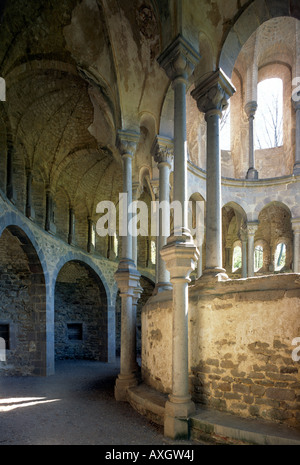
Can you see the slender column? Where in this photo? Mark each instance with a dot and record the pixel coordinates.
(296, 253)
(244, 239)
(10, 191)
(29, 208)
(127, 277)
(251, 230)
(49, 223)
(162, 152)
(180, 253)
(297, 154)
(71, 235)
(91, 244)
(136, 192)
(212, 95)
(250, 110)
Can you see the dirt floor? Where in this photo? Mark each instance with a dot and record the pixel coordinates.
(76, 406)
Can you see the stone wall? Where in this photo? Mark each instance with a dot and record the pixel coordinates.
(240, 346)
(81, 305)
(22, 307)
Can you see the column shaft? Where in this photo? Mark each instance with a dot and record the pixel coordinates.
(251, 230)
(127, 278)
(297, 143)
(212, 96)
(296, 251)
(213, 195)
(180, 153)
(250, 109)
(180, 253)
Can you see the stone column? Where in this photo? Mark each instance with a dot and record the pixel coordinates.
(29, 208)
(49, 223)
(297, 154)
(250, 109)
(91, 243)
(71, 235)
(296, 253)
(244, 239)
(212, 95)
(136, 193)
(127, 277)
(162, 151)
(180, 253)
(251, 230)
(10, 191)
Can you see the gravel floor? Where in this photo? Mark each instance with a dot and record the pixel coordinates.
(76, 406)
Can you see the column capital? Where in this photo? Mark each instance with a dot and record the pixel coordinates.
(243, 234)
(179, 59)
(162, 150)
(213, 92)
(250, 109)
(252, 227)
(127, 143)
(296, 225)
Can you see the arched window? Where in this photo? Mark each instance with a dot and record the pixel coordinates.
(280, 256)
(258, 257)
(269, 114)
(237, 258)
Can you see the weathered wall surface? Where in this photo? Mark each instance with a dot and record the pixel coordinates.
(240, 346)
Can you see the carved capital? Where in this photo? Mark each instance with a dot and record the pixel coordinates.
(252, 228)
(213, 92)
(162, 150)
(127, 143)
(296, 225)
(179, 59)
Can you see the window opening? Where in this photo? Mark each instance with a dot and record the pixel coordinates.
(258, 257)
(4, 334)
(269, 115)
(237, 258)
(280, 256)
(75, 331)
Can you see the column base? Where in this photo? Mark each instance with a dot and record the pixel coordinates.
(177, 414)
(213, 275)
(123, 382)
(252, 174)
(161, 287)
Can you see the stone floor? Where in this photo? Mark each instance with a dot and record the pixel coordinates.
(76, 406)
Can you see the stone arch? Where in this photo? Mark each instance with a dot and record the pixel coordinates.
(26, 310)
(81, 313)
(275, 224)
(246, 23)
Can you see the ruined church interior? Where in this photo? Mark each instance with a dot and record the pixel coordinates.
(165, 101)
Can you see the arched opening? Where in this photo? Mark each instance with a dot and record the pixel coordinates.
(275, 228)
(23, 305)
(81, 327)
(258, 258)
(236, 258)
(280, 257)
(269, 115)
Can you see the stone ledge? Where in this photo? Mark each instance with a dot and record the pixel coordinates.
(148, 402)
(229, 427)
(211, 424)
